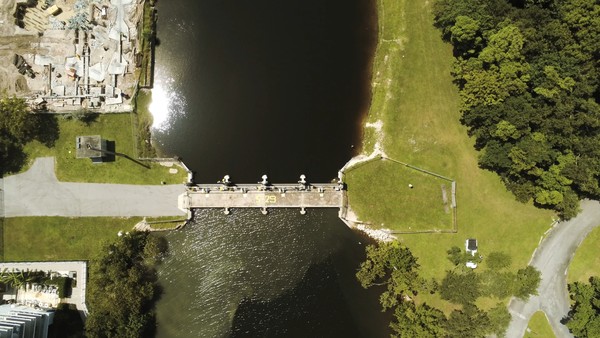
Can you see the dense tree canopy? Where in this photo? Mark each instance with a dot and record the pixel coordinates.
(528, 73)
(584, 318)
(394, 266)
(123, 287)
(17, 127)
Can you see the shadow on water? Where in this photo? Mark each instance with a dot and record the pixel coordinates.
(290, 314)
(275, 265)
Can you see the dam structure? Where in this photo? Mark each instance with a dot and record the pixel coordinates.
(264, 195)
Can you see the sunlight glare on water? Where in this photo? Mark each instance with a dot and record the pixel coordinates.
(166, 103)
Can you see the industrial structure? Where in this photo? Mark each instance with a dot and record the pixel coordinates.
(81, 54)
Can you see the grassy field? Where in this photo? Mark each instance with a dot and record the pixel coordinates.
(112, 127)
(59, 238)
(144, 123)
(586, 262)
(539, 327)
(430, 212)
(414, 98)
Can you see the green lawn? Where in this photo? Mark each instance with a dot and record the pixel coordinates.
(539, 326)
(118, 128)
(414, 97)
(59, 238)
(586, 262)
(430, 212)
(144, 123)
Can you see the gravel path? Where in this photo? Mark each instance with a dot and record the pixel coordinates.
(552, 258)
(37, 192)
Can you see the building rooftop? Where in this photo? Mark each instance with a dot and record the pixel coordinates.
(24, 321)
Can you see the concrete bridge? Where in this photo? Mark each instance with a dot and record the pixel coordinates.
(263, 195)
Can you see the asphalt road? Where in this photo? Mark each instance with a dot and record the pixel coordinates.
(552, 258)
(37, 192)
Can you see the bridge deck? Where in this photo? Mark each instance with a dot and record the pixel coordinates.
(256, 196)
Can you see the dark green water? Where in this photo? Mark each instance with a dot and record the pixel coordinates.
(264, 87)
(283, 275)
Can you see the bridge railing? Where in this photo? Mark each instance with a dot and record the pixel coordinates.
(280, 187)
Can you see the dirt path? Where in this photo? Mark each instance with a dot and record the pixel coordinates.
(552, 258)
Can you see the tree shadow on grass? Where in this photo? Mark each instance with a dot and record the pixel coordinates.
(12, 157)
(47, 131)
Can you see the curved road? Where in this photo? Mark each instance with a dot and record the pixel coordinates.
(552, 258)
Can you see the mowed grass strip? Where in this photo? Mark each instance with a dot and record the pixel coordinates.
(539, 326)
(394, 203)
(586, 262)
(60, 238)
(117, 128)
(143, 123)
(414, 97)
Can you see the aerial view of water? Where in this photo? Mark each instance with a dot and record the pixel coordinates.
(248, 88)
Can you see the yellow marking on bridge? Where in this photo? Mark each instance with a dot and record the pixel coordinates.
(266, 199)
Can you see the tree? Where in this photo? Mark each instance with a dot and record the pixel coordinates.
(583, 319)
(498, 260)
(468, 322)
(16, 279)
(123, 287)
(466, 36)
(17, 127)
(456, 256)
(499, 319)
(529, 80)
(393, 265)
(460, 288)
(155, 249)
(526, 282)
(15, 121)
(418, 321)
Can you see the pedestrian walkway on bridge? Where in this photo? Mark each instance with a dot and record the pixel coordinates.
(263, 195)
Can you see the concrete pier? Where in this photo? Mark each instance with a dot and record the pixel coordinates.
(262, 195)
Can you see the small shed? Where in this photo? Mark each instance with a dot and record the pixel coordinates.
(92, 147)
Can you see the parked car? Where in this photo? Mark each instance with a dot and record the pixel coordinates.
(471, 247)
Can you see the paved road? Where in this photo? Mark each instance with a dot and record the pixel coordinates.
(552, 258)
(37, 192)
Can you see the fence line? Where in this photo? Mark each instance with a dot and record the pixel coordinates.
(418, 169)
(343, 210)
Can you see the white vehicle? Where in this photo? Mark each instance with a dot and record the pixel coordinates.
(471, 247)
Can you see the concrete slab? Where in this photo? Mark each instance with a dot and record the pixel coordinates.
(37, 192)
